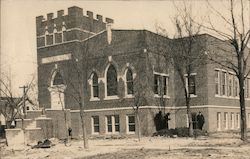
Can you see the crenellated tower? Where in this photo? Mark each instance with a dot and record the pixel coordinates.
(65, 28)
(59, 39)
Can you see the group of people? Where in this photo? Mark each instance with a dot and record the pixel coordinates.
(161, 121)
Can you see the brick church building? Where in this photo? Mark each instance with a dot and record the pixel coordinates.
(79, 54)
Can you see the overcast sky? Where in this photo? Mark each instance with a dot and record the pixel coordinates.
(18, 40)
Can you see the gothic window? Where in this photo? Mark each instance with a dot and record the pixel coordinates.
(58, 38)
(129, 82)
(95, 87)
(58, 80)
(49, 39)
(111, 81)
(64, 33)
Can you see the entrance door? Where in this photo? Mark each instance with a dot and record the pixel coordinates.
(57, 99)
(56, 90)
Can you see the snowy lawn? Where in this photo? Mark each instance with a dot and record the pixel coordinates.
(147, 148)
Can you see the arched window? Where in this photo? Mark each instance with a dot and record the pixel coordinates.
(95, 88)
(129, 81)
(111, 81)
(58, 80)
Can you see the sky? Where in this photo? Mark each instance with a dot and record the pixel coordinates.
(18, 34)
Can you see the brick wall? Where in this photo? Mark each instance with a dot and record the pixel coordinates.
(46, 125)
(126, 50)
(219, 48)
(60, 122)
(146, 121)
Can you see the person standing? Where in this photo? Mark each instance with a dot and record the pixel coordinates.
(166, 118)
(200, 120)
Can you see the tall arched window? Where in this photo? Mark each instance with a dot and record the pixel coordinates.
(95, 88)
(58, 80)
(111, 81)
(129, 81)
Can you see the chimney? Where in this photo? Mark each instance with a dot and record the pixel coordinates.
(109, 32)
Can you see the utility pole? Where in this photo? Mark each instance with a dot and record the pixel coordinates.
(24, 95)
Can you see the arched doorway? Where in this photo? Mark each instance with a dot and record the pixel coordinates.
(57, 88)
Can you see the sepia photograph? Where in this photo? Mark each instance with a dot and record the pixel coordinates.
(125, 79)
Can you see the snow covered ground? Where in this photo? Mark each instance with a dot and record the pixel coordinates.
(147, 148)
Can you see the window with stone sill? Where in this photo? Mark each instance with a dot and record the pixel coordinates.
(223, 83)
(129, 82)
(217, 83)
(218, 121)
(95, 87)
(95, 124)
(161, 85)
(156, 83)
(226, 121)
(131, 123)
(112, 83)
(113, 123)
(191, 84)
(232, 120)
(230, 85)
(165, 85)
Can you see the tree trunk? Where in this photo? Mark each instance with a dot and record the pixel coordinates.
(81, 101)
(84, 132)
(243, 124)
(138, 124)
(190, 122)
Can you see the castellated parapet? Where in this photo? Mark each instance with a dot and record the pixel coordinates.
(75, 25)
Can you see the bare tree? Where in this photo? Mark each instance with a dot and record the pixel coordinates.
(137, 104)
(77, 68)
(161, 50)
(184, 55)
(140, 94)
(77, 71)
(13, 106)
(236, 57)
